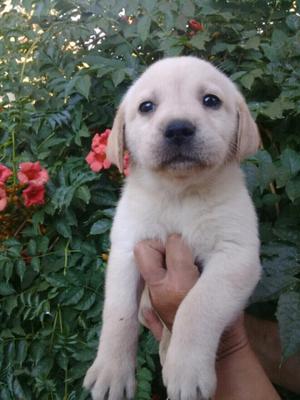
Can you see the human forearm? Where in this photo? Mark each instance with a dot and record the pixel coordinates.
(241, 377)
(265, 341)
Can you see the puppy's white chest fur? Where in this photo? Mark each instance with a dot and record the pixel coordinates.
(207, 216)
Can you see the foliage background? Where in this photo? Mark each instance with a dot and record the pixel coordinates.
(67, 63)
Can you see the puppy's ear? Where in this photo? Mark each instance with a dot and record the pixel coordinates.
(248, 139)
(115, 144)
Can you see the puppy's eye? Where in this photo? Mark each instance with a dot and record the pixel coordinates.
(211, 101)
(146, 106)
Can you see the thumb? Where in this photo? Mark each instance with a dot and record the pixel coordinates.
(149, 255)
(179, 258)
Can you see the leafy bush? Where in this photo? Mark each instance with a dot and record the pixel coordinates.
(64, 66)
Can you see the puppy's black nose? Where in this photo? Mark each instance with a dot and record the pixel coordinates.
(179, 132)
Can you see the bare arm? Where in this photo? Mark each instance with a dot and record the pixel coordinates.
(264, 339)
(240, 374)
(170, 273)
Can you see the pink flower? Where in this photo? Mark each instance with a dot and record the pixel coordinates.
(97, 157)
(126, 162)
(100, 141)
(3, 197)
(34, 195)
(5, 173)
(32, 173)
(97, 161)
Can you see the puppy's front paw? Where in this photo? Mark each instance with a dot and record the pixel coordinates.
(110, 380)
(187, 377)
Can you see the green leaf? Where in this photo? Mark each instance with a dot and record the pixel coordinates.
(109, 212)
(56, 280)
(22, 348)
(291, 160)
(43, 244)
(21, 268)
(38, 218)
(293, 189)
(252, 43)
(6, 289)
(248, 79)
(100, 227)
(145, 374)
(275, 109)
(18, 390)
(293, 22)
(84, 355)
(64, 229)
(150, 5)
(270, 287)
(188, 8)
(288, 314)
(83, 193)
(43, 367)
(83, 85)
(266, 170)
(82, 133)
(252, 176)
(288, 167)
(199, 40)
(237, 75)
(86, 302)
(35, 263)
(72, 296)
(118, 76)
(143, 27)
(10, 304)
(31, 247)
(62, 360)
(8, 270)
(63, 197)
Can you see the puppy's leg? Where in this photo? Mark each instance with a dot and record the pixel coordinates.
(112, 374)
(215, 301)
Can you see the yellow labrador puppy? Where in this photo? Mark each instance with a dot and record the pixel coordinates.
(186, 128)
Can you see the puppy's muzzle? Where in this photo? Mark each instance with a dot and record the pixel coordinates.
(179, 132)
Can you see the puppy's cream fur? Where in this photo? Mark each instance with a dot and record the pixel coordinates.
(202, 198)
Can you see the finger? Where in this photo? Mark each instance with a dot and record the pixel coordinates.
(149, 255)
(179, 257)
(153, 322)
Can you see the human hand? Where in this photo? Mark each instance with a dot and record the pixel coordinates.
(169, 273)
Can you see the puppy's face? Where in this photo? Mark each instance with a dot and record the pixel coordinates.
(181, 114)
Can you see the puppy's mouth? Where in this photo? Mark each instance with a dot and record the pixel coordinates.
(182, 158)
(180, 161)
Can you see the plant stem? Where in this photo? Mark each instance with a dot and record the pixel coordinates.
(66, 257)
(14, 157)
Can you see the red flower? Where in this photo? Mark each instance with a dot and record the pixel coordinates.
(195, 25)
(32, 173)
(97, 161)
(3, 197)
(100, 140)
(34, 195)
(126, 162)
(5, 173)
(97, 157)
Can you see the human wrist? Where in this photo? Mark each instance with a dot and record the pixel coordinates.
(233, 340)
(166, 306)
